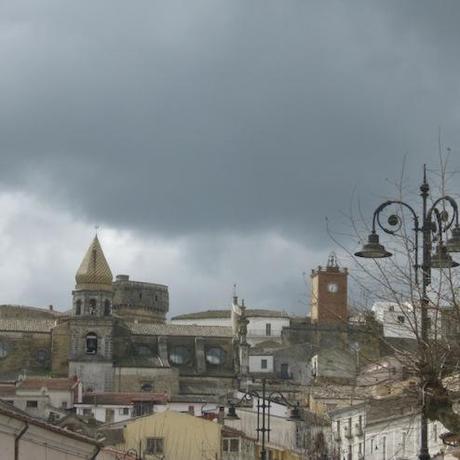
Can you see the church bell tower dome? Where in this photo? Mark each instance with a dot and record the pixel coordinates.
(94, 272)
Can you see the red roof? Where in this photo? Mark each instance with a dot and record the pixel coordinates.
(56, 384)
(123, 398)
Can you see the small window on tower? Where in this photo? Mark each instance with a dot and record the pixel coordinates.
(92, 306)
(91, 343)
(107, 308)
(78, 307)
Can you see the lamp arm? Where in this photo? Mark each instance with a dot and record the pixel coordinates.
(454, 218)
(376, 218)
(246, 397)
(280, 396)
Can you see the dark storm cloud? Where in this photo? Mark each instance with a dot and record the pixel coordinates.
(230, 116)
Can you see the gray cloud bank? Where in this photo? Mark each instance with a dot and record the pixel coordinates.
(191, 119)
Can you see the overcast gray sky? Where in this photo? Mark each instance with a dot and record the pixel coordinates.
(210, 139)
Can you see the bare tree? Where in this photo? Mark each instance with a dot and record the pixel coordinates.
(411, 271)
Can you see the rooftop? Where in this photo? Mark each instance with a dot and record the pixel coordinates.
(225, 314)
(181, 330)
(113, 398)
(27, 325)
(56, 384)
(10, 411)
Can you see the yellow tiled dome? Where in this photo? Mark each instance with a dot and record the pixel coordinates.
(94, 272)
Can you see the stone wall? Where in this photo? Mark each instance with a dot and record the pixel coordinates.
(24, 352)
(60, 346)
(132, 297)
(132, 379)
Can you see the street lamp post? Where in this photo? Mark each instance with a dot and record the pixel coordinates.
(263, 412)
(435, 222)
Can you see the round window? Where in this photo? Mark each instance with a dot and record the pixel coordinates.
(147, 387)
(42, 355)
(180, 355)
(143, 350)
(215, 356)
(4, 350)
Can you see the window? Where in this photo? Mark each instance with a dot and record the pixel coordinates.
(109, 415)
(64, 404)
(180, 355)
(391, 308)
(78, 307)
(384, 448)
(107, 308)
(435, 432)
(32, 403)
(143, 350)
(231, 445)
(87, 412)
(401, 319)
(154, 446)
(263, 364)
(92, 306)
(268, 329)
(91, 343)
(42, 356)
(215, 356)
(123, 411)
(3, 350)
(191, 410)
(284, 370)
(360, 422)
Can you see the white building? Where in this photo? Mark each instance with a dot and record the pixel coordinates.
(41, 396)
(264, 324)
(118, 407)
(383, 429)
(402, 320)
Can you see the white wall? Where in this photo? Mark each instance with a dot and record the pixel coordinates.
(204, 321)
(401, 438)
(255, 363)
(401, 320)
(256, 327)
(100, 411)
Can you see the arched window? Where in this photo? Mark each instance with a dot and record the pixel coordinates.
(92, 306)
(78, 307)
(107, 308)
(91, 343)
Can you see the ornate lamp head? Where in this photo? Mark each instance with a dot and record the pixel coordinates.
(442, 259)
(373, 249)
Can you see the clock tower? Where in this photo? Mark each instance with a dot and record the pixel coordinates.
(329, 294)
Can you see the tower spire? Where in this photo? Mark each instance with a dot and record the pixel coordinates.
(94, 272)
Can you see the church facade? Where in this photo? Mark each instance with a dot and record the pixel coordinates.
(115, 338)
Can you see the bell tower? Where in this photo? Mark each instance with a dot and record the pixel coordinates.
(91, 326)
(329, 294)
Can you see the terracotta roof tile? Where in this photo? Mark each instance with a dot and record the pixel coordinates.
(113, 398)
(56, 384)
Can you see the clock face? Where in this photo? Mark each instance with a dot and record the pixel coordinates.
(332, 288)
